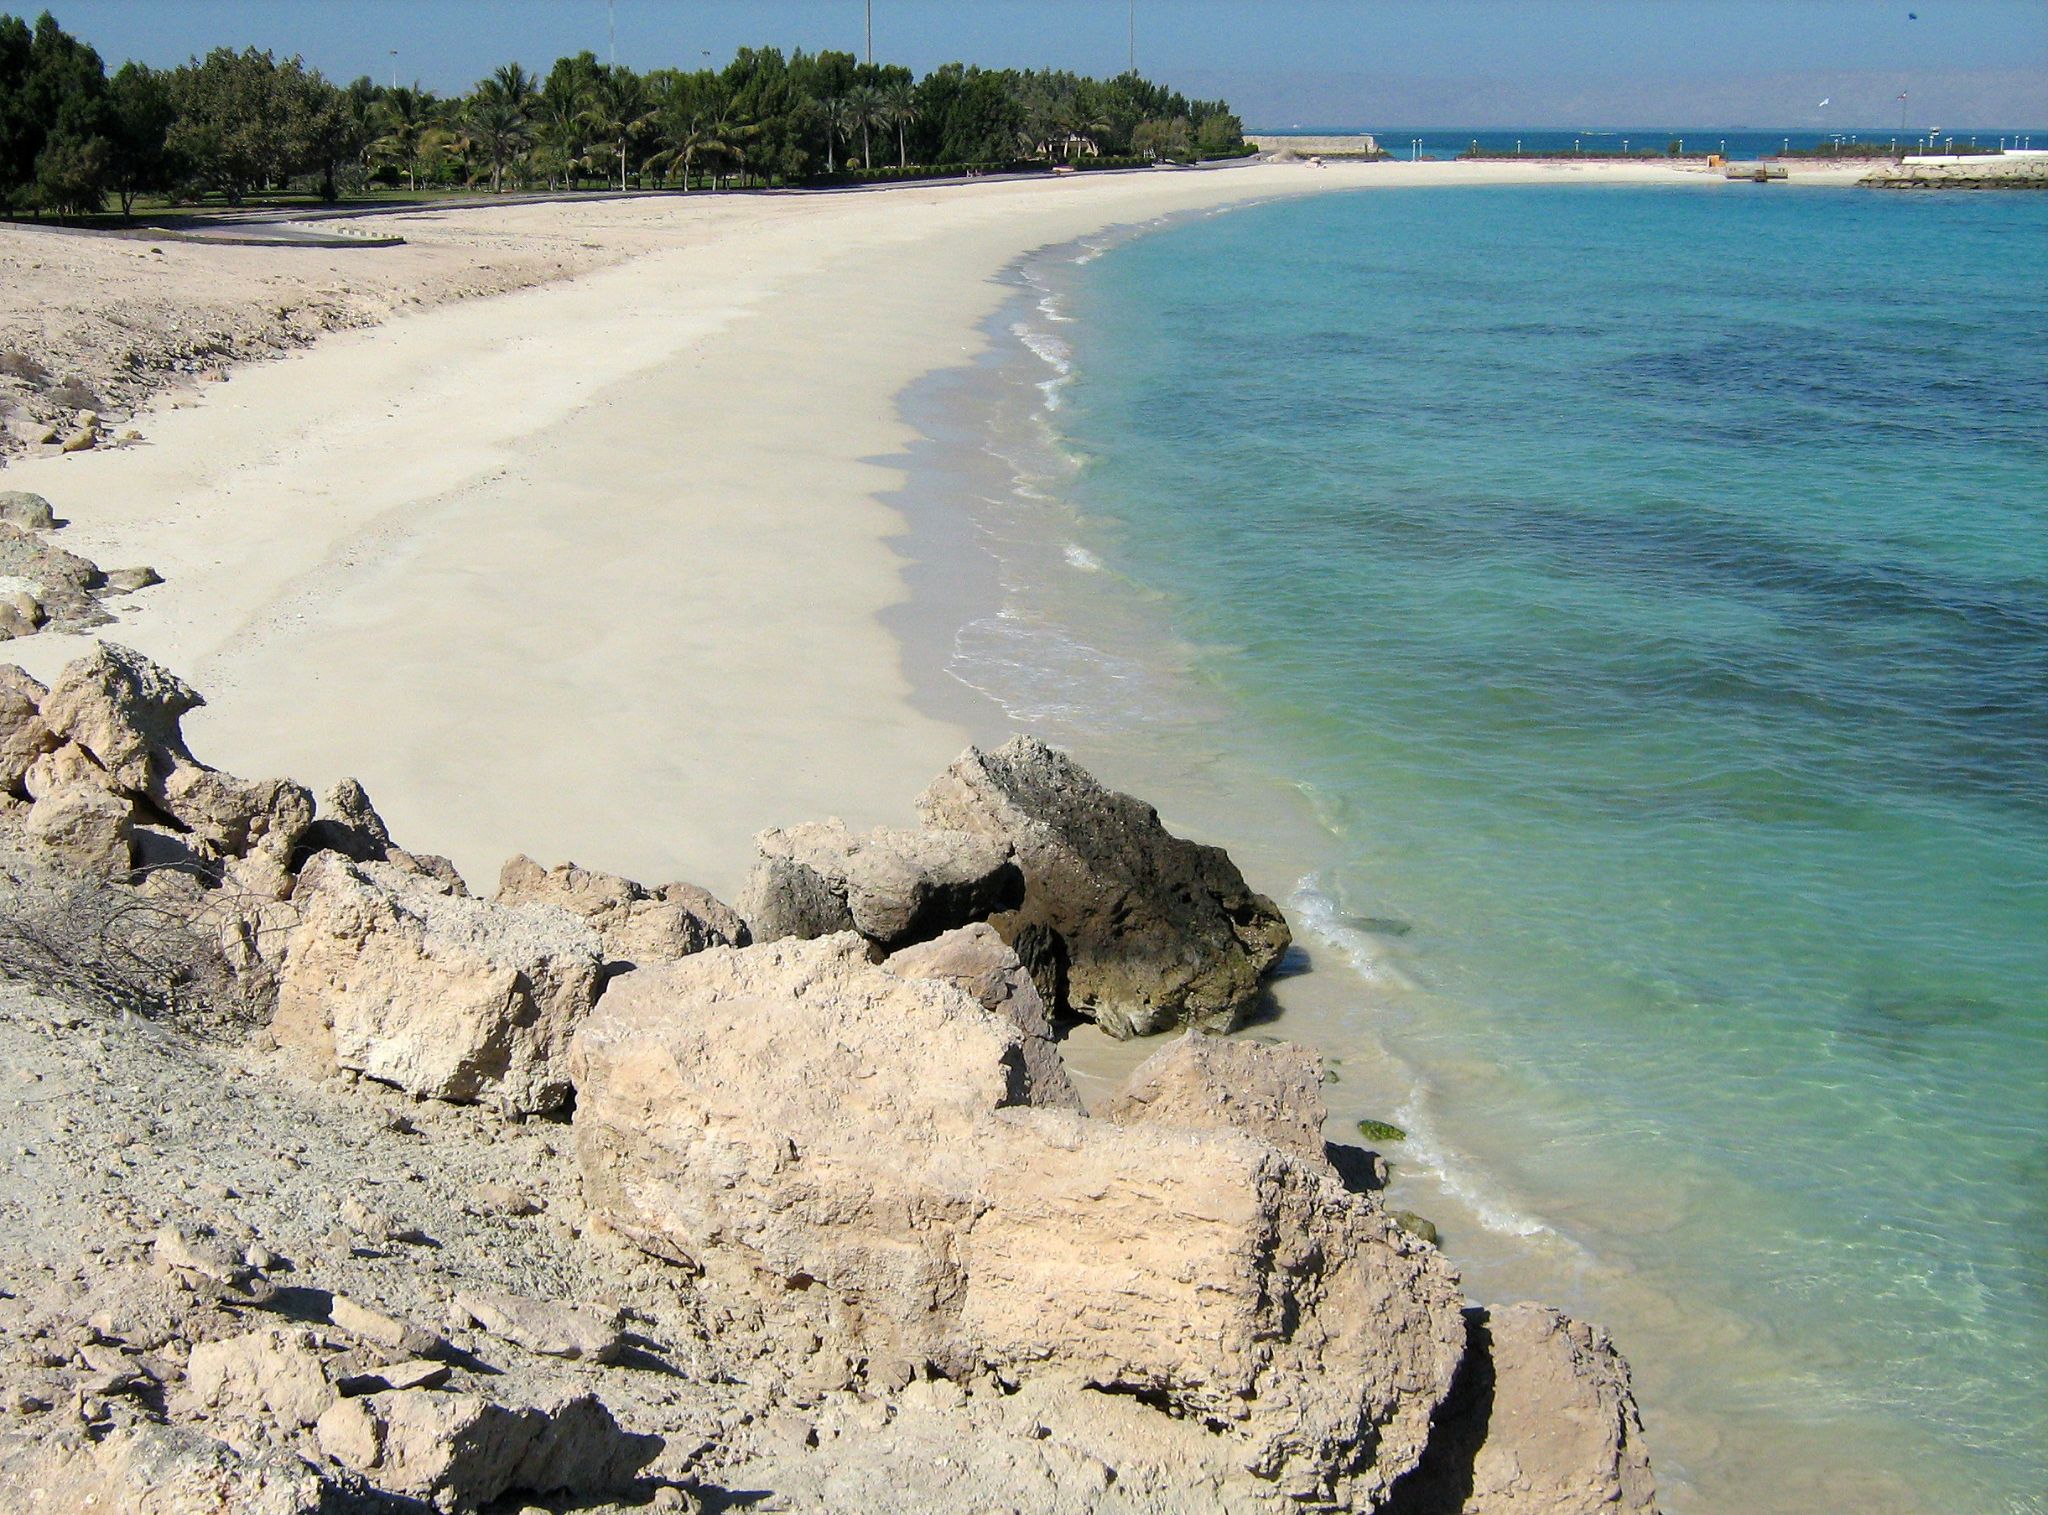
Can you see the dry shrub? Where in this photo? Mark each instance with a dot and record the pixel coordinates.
(166, 950)
(75, 394)
(19, 365)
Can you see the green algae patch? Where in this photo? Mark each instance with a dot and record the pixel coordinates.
(1380, 1131)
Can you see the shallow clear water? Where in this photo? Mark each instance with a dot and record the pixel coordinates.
(1647, 592)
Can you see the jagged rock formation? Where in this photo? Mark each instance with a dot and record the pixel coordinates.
(1542, 1421)
(893, 887)
(903, 1174)
(462, 1450)
(1122, 921)
(975, 959)
(638, 925)
(41, 584)
(1272, 1092)
(446, 997)
(835, 1222)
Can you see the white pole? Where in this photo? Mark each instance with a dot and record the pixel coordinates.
(1134, 36)
(611, 11)
(394, 68)
(871, 33)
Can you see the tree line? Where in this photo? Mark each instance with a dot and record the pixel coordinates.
(236, 123)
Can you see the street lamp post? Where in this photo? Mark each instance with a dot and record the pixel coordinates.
(1134, 36)
(871, 33)
(394, 68)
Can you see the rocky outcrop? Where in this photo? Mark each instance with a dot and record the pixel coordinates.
(928, 1278)
(1121, 921)
(158, 1470)
(29, 512)
(638, 925)
(82, 829)
(1272, 1091)
(61, 587)
(445, 997)
(349, 824)
(897, 1184)
(976, 959)
(115, 717)
(462, 1451)
(893, 887)
(582, 1333)
(1542, 1421)
(273, 1373)
(23, 736)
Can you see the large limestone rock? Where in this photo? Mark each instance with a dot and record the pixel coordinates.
(1273, 1092)
(976, 959)
(1122, 921)
(349, 824)
(158, 1470)
(893, 887)
(23, 736)
(462, 1451)
(583, 1333)
(638, 925)
(83, 829)
(124, 711)
(871, 1155)
(274, 1374)
(444, 996)
(63, 582)
(30, 512)
(1542, 1421)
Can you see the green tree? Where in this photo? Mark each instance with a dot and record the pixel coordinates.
(1163, 139)
(900, 100)
(54, 152)
(618, 113)
(403, 118)
(840, 124)
(1219, 132)
(246, 121)
(498, 123)
(867, 108)
(139, 119)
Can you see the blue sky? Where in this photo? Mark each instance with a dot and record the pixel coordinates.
(1357, 62)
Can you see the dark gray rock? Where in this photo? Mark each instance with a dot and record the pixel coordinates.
(893, 887)
(1151, 930)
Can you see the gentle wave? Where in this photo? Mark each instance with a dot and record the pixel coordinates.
(1425, 1150)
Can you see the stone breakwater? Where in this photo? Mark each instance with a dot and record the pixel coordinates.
(621, 1194)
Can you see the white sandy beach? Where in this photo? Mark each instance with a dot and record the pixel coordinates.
(592, 570)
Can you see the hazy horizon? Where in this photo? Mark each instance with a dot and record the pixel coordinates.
(1559, 64)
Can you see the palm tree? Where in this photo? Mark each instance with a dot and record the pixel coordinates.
(840, 125)
(404, 117)
(901, 103)
(684, 144)
(618, 112)
(451, 139)
(732, 136)
(499, 127)
(868, 108)
(513, 82)
(558, 125)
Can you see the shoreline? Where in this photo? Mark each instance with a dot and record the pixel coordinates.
(1711, 1447)
(510, 477)
(561, 564)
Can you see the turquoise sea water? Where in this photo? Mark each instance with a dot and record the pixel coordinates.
(1637, 601)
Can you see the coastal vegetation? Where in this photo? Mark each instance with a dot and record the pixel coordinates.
(236, 124)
